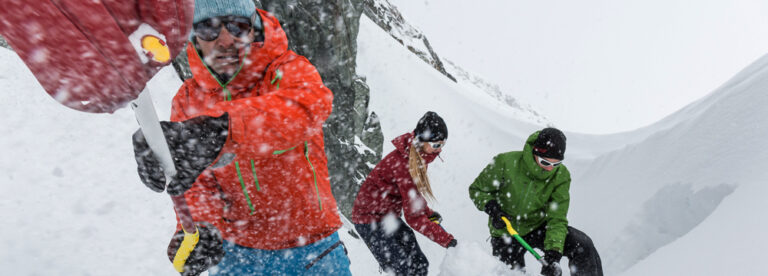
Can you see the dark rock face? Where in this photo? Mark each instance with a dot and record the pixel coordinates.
(387, 17)
(4, 43)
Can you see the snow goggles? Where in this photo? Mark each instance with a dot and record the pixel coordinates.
(436, 145)
(210, 28)
(546, 163)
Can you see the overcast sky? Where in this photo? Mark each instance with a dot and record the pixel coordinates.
(598, 66)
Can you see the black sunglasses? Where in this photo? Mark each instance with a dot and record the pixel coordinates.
(238, 26)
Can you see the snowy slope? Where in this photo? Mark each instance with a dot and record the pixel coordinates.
(673, 181)
(71, 202)
(654, 200)
(633, 192)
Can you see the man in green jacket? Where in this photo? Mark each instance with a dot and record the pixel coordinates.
(530, 189)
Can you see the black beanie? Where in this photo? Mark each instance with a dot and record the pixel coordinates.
(550, 144)
(431, 128)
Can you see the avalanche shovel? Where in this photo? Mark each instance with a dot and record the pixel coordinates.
(514, 233)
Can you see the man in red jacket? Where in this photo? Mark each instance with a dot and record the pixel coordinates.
(269, 193)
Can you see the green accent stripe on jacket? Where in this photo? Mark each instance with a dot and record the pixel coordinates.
(245, 191)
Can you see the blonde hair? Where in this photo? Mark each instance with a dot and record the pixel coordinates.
(418, 171)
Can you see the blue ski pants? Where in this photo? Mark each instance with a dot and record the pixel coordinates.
(305, 260)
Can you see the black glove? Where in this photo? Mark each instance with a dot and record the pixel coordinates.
(493, 209)
(435, 217)
(194, 145)
(452, 243)
(552, 259)
(207, 253)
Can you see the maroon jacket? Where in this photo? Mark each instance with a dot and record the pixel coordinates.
(96, 56)
(389, 188)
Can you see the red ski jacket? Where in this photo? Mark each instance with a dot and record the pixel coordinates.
(389, 189)
(275, 194)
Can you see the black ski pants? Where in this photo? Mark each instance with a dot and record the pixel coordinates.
(397, 251)
(583, 258)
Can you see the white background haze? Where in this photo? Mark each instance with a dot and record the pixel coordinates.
(597, 66)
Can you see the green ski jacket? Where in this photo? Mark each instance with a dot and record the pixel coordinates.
(530, 195)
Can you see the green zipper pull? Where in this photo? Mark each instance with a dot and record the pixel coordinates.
(229, 94)
(278, 152)
(278, 78)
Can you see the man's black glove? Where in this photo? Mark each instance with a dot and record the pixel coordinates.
(208, 251)
(435, 217)
(194, 145)
(452, 243)
(552, 259)
(493, 209)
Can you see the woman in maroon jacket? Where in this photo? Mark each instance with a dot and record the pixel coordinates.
(398, 185)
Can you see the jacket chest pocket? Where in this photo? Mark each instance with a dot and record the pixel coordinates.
(247, 171)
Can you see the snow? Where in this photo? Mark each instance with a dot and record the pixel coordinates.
(679, 197)
(71, 202)
(473, 259)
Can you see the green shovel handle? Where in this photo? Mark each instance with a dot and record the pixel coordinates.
(519, 239)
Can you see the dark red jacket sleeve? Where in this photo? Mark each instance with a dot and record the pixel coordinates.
(416, 212)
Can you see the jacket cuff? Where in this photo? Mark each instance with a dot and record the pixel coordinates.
(552, 248)
(447, 241)
(553, 256)
(492, 207)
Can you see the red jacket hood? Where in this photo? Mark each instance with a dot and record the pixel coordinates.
(403, 145)
(257, 58)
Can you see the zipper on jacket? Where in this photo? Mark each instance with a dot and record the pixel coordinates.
(245, 191)
(255, 179)
(314, 173)
(224, 85)
(229, 94)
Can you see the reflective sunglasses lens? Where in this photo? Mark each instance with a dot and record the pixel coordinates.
(546, 163)
(436, 145)
(208, 29)
(238, 26)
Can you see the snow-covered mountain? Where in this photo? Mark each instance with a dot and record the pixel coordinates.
(525, 111)
(680, 197)
(388, 17)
